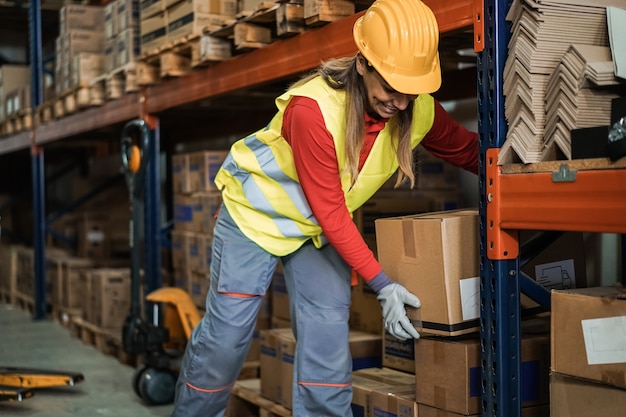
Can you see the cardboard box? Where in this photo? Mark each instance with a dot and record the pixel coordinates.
(150, 8)
(436, 257)
(188, 212)
(385, 401)
(398, 354)
(561, 265)
(574, 397)
(180, 174)
(110, 297)
(199, 288)
(448, 372)
(71, 290)
(426, 411)
(81, 17)
(203, 167)
(189, 17)
(589, 334)
(85, 67)
(110, 20)
(127, 14)
(387, 376)
(210, 202)
(128, 46)
(12, 77)
(78, 41)
(406, 405)
(270, 363)
(204, 242)
(153, 31)
(362, 389)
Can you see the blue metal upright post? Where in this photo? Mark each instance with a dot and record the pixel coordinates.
(152, 214)
(499, 278)
(38, 173)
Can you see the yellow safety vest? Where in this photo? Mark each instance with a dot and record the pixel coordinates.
(260, 186)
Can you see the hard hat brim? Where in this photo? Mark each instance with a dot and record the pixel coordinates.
(415, 85)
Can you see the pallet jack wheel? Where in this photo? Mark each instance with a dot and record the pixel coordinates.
(155, 386)
(136, 378)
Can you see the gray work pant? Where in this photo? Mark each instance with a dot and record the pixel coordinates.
(318, 283)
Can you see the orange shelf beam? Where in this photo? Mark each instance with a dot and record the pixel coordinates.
(593, 200)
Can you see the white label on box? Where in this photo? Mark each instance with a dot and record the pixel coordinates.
(95, 236)
(470, 298)
(605, 340)
(558, 275)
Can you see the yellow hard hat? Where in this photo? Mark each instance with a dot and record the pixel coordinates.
(400, 39)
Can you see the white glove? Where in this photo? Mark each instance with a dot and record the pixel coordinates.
(392, 298)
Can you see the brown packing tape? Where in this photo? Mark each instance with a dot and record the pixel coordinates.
(408, 241)
(440, 397)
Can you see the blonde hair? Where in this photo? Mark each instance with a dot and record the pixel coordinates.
(341, 74)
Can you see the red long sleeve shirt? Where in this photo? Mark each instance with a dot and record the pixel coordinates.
(316, 164)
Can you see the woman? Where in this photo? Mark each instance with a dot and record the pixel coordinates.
(289, 191)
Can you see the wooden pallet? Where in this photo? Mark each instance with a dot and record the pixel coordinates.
(73, 100)
(115, 84)
(7, 296)
(246, 400)
(24, 302)
(18, 122)
(171, 60)
(65, 316)
(45, 112)
(107, 341)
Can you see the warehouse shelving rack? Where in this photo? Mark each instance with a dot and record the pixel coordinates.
(577, 196)
(510, 200)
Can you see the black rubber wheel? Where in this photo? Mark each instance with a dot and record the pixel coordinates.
(156, 386)
(136, 378)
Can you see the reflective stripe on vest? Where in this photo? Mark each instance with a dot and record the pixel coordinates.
(259, 183)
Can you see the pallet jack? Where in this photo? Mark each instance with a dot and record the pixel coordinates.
(159, 343)
(18, 384)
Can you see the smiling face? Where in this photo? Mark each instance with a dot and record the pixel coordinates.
(382, 100)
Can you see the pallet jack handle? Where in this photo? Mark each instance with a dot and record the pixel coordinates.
(135, 144)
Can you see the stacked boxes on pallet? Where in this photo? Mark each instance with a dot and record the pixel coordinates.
(588, 355)
(123, 41)
(14, 94)
(196, 201)
(79, 47)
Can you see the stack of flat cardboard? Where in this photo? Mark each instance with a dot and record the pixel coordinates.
(542, 31)
(578, 94)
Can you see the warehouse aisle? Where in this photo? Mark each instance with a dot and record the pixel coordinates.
(106, 390)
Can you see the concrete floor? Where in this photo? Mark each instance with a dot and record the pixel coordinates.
(107, 388)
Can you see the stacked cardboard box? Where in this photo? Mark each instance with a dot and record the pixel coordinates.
(123, 43)
(14, 90)
(588, 355)
(436, 256)
(196, 202)
(80, 46)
